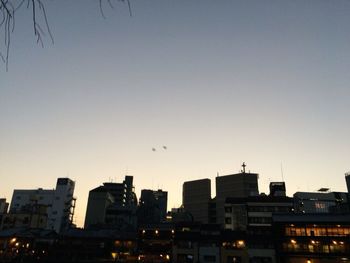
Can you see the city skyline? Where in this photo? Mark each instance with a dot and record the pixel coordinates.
(217, 83)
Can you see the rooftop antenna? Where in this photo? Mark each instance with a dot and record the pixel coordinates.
(282, 172)
(243, 166)
(217, 174)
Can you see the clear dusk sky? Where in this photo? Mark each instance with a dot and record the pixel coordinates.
(218, 82)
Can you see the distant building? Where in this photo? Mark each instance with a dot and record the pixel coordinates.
(112, 205)
(152, 206)
(319, 202)
(3, 210)
(235, 185)
(179, 215)
(3, 206)
(277, 189)
(60, 203)
(98, 202)
(196, 196)
(347, 179)
(123, 193)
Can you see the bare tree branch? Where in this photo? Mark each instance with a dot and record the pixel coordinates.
(41, 27)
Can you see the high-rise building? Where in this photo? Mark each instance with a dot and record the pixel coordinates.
(234, 185)
(98, 202)
(60, 203)
(196, 196)
(112, 204)
(123, 193)
(152, 206)
(347, 179)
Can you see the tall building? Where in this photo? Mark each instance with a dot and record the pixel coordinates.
(123, 193)
(98, 202)
(152, 206)
(234, 185)
(112, 205)
(196, 196)
(60, 203)
(347, 179)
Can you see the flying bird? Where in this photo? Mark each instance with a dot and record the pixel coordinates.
(164, 147)
(153, 149)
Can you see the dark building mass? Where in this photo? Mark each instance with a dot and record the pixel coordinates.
(238, 225)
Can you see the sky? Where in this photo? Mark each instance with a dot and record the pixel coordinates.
(217, 82)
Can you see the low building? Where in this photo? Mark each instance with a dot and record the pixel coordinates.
(28, 217)
(312, 238)
(195, 242)
(3, 206)
(322, 201)
(155, 242)
(253, 215)
(26, 245)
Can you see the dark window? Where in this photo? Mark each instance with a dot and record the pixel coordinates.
(228, 209)
(209, 258)
(26, 220)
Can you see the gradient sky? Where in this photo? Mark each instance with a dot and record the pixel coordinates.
(217, 82)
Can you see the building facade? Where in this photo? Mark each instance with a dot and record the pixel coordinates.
(312, 238)
(59, 203)
(152, 206)
(196, 196)
(319, 202)
(235, 185)
(112, 205)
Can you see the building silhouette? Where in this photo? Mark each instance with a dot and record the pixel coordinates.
(196, 196)
(347, 179)
(152, 206)
(112, 205)
(238, 185)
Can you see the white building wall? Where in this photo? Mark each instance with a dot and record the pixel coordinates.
(58, 202)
